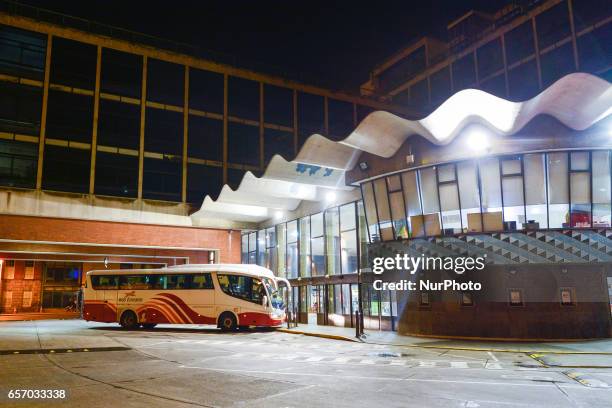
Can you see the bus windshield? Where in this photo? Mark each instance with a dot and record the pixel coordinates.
(275, 297)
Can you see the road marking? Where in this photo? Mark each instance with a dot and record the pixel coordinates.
(313, 359)
(398, 379)
(493, 366)
(366, 362)
(427, 364)
(492, 356)
(340, 360)
(459, 364)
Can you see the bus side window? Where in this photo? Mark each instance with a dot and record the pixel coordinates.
(201, 281)
(138, 282)
(178, 281)
(102, 282)
(157, 281)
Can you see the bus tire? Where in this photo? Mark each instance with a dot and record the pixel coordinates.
(227, 321)
(128, 320)
(148, 326)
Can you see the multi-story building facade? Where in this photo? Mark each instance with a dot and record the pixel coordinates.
(514, 53)
(110, 139)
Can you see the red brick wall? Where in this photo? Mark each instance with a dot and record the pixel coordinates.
(18, 285)
(26, 228)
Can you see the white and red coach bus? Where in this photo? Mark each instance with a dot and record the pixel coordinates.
(230, 296)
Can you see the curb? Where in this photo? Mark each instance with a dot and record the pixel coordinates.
(531, 352)
(321, 335)
(586, 380)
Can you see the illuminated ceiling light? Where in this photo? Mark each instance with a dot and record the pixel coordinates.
(278, 215)
(477, 141)
(330, 197)
(363, 166)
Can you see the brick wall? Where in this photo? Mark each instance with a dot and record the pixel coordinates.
(17, 286)
(42, 229)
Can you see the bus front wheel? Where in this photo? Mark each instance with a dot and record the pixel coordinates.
(227, 321)
(149, 326)
(128, 320)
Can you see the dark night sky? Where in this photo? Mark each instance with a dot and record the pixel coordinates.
(333, 42)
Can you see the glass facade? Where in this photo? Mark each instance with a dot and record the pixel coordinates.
(524, 191)
(513, 60)
(322, 244)
(95, 90)
(322, 254)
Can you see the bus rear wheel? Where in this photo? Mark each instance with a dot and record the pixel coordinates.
(227, 322)
(128, 320)
(148, 326)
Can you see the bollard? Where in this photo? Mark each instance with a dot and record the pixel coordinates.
(357, 324)
(288, 318)
(296, 314)
(361, 325)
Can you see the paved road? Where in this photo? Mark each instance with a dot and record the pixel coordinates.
(100, 365)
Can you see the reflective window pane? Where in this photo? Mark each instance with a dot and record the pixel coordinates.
(382, 205)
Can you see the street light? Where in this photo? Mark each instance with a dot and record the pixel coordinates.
(477, 140)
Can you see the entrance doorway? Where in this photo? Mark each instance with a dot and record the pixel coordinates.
(61, 283)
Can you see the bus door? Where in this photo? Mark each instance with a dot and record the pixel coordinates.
(203, 299)
(106, 296)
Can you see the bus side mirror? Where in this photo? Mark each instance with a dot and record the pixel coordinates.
(264, 301)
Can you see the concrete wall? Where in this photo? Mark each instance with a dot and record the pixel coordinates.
(542, 316)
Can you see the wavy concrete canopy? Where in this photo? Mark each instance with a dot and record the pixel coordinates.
(577, 100)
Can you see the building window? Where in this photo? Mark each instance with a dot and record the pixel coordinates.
(535, 190)
(164, 131)
(367, 191)
(206, 91)
(332, 241)
(165, 82)
(243, 142)
(467, 299)
(23, 52)
(8, 301)
(162, 179)
(568, 297)
(278, 105)
(449, 198)
(9, 269)
(348, 239)
(18, 163)
(243, 98)
(121, 73)
(317, 242)
(398, 209)
(491, 194)
(469, 195)
(430, 221)
(311, 116)
(73, 63)
(278, 142)
(516, 297)
(383, 209)
(29, 270)
(281, 248)
(292, 249)
(304, 243)
(412, 201)
(340, 119)
(601, 188)
(424, 299)
(519, 43)
(27, 299)
(512, 192)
